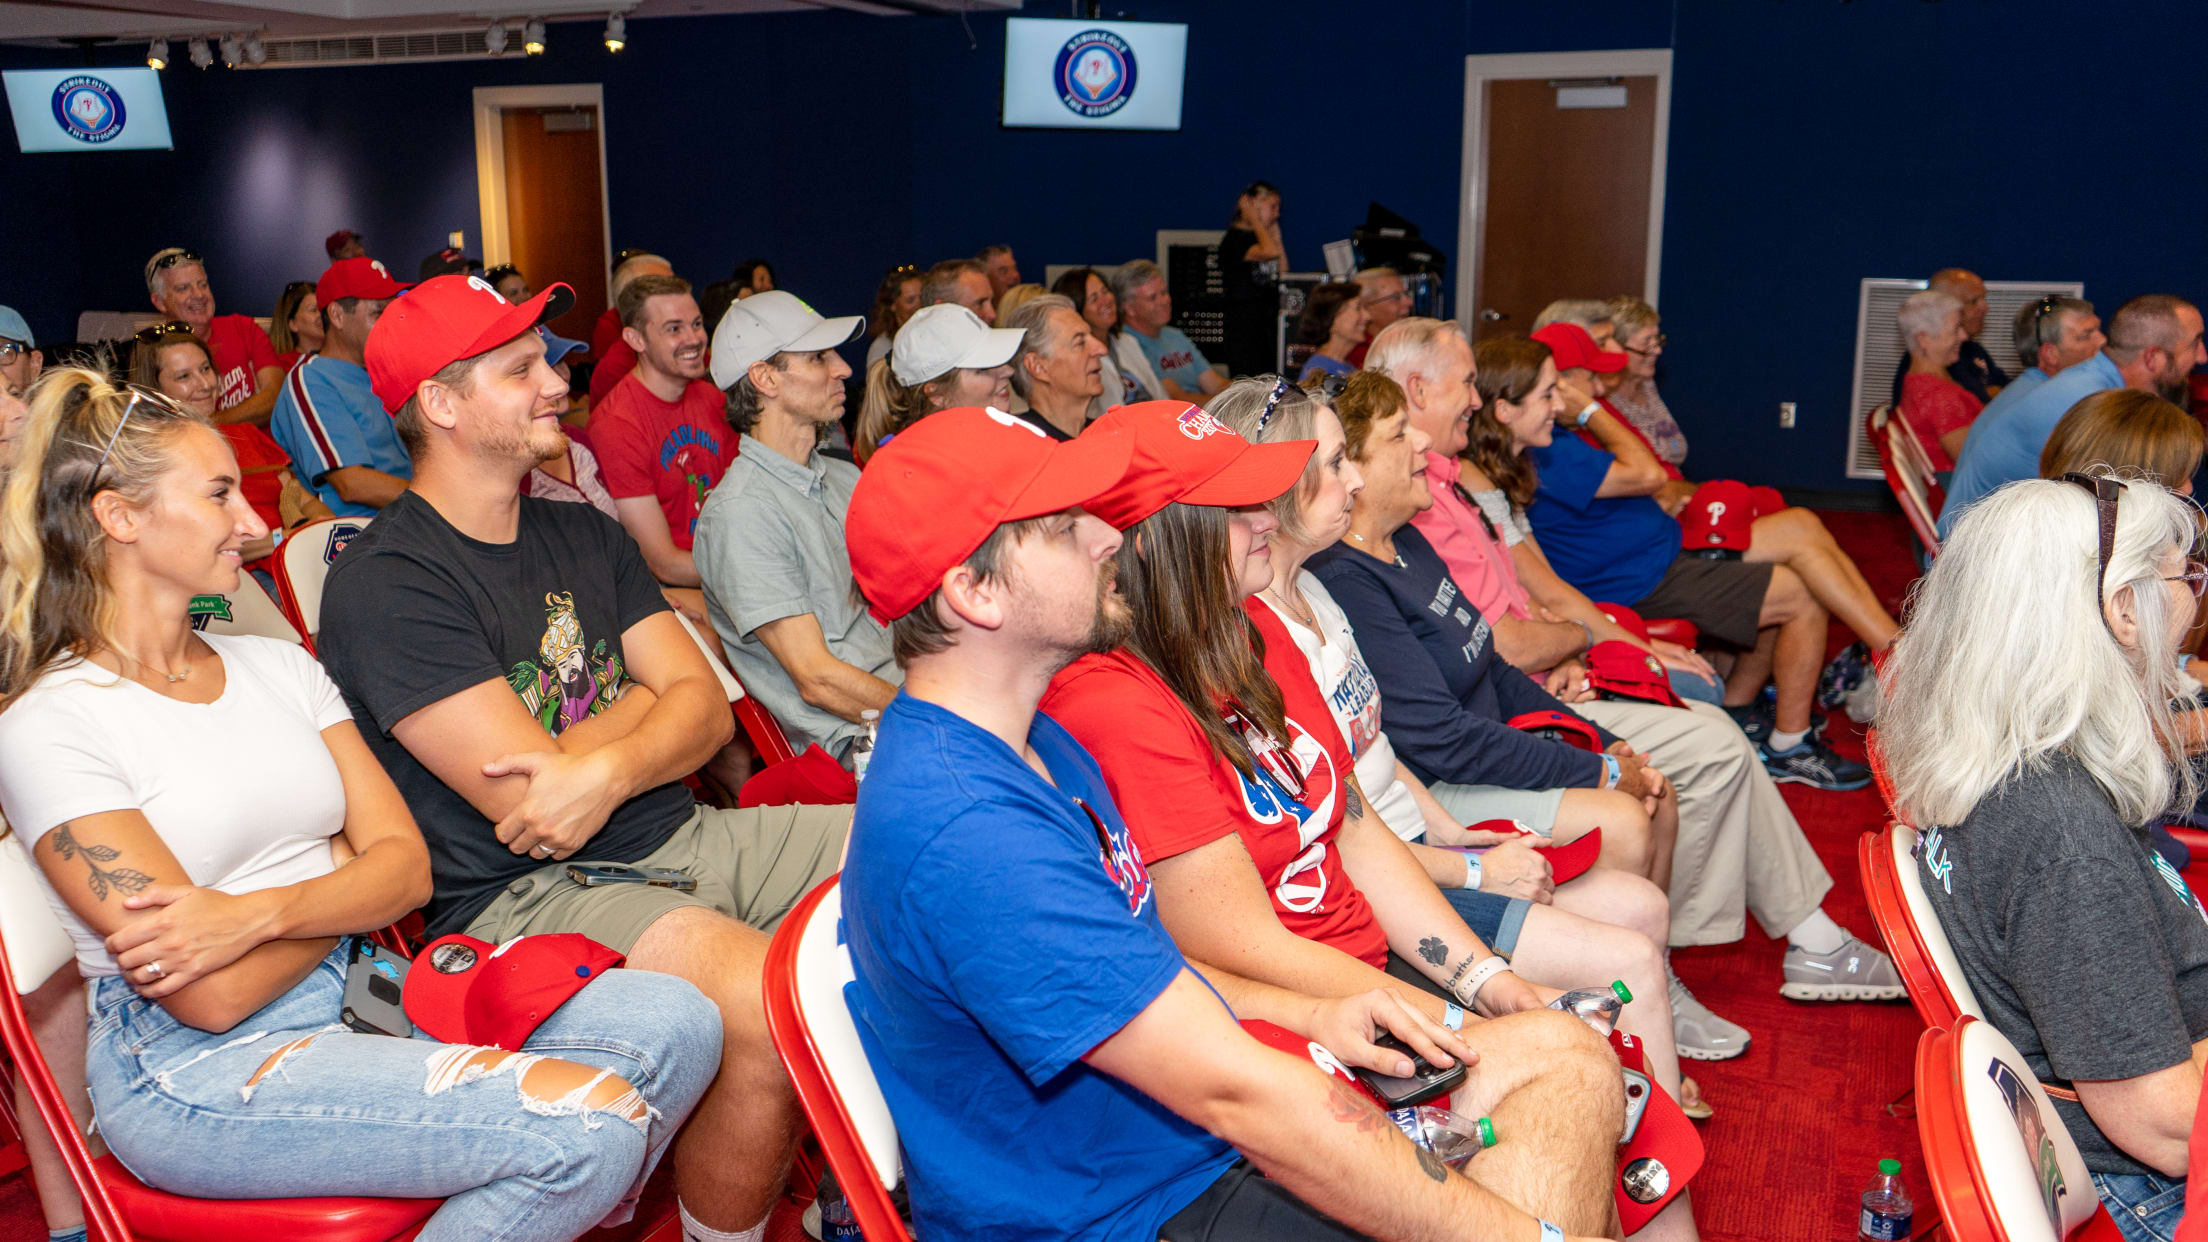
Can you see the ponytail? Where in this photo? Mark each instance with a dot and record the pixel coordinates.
(890, 406)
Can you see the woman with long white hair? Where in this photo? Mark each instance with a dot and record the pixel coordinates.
(2033, 733)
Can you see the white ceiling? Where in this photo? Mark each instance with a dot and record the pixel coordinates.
(47, 21)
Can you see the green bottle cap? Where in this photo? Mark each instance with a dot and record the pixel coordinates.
(1487, 1132)
(1890, 1168)
(1625, 994)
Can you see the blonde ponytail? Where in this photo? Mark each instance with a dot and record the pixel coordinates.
(890, 406)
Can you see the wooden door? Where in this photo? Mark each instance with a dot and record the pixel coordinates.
(553, 202)
(1566, 211)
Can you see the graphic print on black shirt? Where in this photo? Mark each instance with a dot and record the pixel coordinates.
(563, 686)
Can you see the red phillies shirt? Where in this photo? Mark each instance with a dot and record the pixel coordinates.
(1176, 794)
(241, 349)
(261, 466)
(673, 451)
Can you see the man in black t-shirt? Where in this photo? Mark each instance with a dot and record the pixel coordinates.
(513, 665)
(1975, 370)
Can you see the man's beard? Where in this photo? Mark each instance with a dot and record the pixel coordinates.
(1114, 621)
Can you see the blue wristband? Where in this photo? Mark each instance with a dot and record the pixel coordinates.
(1611, 772)
(1550, 1233)
(1452, 1015)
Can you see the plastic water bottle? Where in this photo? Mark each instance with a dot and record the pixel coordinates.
(1597, 1007)
(1453, 1137)
(1887, 1209)
(837, 1224)
(862, 747)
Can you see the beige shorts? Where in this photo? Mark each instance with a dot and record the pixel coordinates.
(752, 865)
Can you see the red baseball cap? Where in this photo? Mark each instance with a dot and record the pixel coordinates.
(1720, 514)
(1184, 454)
(356, 278)
(937, 490)
(465, 991)
(336, 241)
(442, 320)
(1565, 727)
(1575, 349)
(1621, 670)
(1567, 861)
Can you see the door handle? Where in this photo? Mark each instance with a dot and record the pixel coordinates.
(1491, 315)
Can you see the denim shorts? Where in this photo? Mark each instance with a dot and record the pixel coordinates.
(2145, 1206)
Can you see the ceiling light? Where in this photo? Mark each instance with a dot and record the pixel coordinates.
(494, 38)
(256, 52)
(617, 32)
(233, 50)
(532, 36)
(201, 56)
(157, 54)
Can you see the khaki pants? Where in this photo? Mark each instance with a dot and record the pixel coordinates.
(1739, 846)
(751, 865)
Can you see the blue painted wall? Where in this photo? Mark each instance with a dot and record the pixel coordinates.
(1812, 143)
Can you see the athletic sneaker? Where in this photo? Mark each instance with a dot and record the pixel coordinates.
(1854, 971)
(1760, 715)
(1702, 1035)
(1813, 763)
(1849, 669)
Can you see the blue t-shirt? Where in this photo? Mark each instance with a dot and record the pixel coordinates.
(2006, 437)
(1320, 364)
(326, 417)
(1173, 356)
(995, 945)
(1613, 549)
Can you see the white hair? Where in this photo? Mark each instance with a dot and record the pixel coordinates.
(627, 272)
(1925, 313)
(1586, 312)
(1407, 346)
(1033, 319)
(2007, 658)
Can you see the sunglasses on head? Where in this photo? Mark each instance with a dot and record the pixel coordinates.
(174, 257)
(1272, 406)
(2106, 493)
(499, 273)
(148, 335)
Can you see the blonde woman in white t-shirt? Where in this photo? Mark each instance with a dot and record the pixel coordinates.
(188, 799)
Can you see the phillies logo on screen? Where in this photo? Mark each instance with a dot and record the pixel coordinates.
(1095, 73)
(88, 109)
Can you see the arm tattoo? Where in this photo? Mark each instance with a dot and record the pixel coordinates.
(1353, 1109)
(1462, 966)
(124, 879)
(1431, 1163)
(1433, 950)
(1350, 799)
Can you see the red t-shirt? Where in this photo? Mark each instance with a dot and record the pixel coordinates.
(241, 349)
(675, 451)
(1934, 406)
(612, 355)
(1176, 794)
(261, 463)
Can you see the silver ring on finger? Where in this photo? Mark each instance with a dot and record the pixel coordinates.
(543, 851)
(154, 971)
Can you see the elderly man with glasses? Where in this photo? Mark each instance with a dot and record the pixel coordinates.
(1381, 291)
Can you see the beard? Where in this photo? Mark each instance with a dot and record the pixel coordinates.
(1113, 621)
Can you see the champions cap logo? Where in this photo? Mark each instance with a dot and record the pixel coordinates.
(1095, 73)
(1196, 423)
(88, 109)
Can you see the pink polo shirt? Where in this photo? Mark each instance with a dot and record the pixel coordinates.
(1479, 561)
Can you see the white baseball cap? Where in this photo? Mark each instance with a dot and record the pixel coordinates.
(946, 335)
(765, 324)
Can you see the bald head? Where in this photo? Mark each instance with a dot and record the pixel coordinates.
(1963, 285)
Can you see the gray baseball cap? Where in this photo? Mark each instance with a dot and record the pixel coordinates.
(765, 324)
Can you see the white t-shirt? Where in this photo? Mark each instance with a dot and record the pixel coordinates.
(1353, 694)
(242, 790)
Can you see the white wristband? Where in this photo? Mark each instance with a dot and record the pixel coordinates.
(1471, 871)
(1469, 990)
(1587, 411)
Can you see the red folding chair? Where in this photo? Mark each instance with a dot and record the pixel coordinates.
(2002, 1165)
(1912, 931)
(759, 725)
(807, 966)
(303, 563)
(1909, 474)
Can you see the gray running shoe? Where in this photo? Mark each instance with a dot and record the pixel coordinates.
(1702, 1035)
(1855, 971)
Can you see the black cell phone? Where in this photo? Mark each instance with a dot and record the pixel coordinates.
(374, 977)
(597, 875)
(1427, 1081)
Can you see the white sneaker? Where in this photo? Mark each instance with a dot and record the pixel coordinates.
(1702, 1035)
(1853, 972)
(810, 1221)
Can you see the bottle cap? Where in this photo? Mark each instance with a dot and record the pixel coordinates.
(1625, 994)
(1890, 1168)
(1487, 1132)
(869, 716)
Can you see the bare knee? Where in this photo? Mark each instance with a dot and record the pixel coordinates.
(1787, 598)
(568, 1086)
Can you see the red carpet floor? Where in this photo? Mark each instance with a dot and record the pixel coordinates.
(1802, 1118)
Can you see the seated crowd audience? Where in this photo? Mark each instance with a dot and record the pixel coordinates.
(1176, 697)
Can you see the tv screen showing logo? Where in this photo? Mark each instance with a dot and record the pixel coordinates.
(87, 109)
(1093, 75)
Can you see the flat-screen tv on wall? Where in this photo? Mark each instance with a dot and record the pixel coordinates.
(87, 109)
(1093, 75)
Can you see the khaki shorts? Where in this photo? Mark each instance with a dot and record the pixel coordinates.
(751, 865)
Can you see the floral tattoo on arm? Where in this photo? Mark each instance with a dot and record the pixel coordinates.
(123, 879)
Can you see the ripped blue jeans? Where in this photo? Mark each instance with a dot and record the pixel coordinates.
(290, 1103)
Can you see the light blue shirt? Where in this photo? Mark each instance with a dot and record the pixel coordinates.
(2005, 440)
(1174, 357)
(327, 417)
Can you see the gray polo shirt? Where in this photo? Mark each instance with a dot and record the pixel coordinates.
(769, 545)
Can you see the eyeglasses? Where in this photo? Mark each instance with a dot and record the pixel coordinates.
(148, 335)
(2106, 492)
(91, 484)
(1272, 403)
(1265, 749)
(1331, 386)
(11, 350)
(1654, 347)
(2195, 575)
(1379, 299)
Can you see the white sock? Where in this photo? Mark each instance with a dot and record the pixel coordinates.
(1782, 741)
(692, 1231)
(1817, 933)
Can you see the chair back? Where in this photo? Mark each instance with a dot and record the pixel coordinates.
(248, 610)
(810, 1022)
(759, 725)
(1911, 928)
(303, 563)
(1909, 474)
(2002, 1166)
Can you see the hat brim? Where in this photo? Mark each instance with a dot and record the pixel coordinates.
(827, 334)
(1258, 474)
(436, 1001)
(1077, 472)
(549, 304)
(1606, 363)
(994, 349)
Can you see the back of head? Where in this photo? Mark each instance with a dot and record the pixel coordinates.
(2135, 434)
(1133, 275)
(1032, 318)
(889, 406)
(1926, 313)
(1586, 312)
(629, 307)
(1016, 297)
(1509, 370)
(2006, 658)
(2149, 320)
(633, 266)
(1320, 307)
(84, 436)
(1407, 346)
(941, 282)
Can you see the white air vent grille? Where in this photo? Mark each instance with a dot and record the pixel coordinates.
(388, 48)
(1879, 351)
